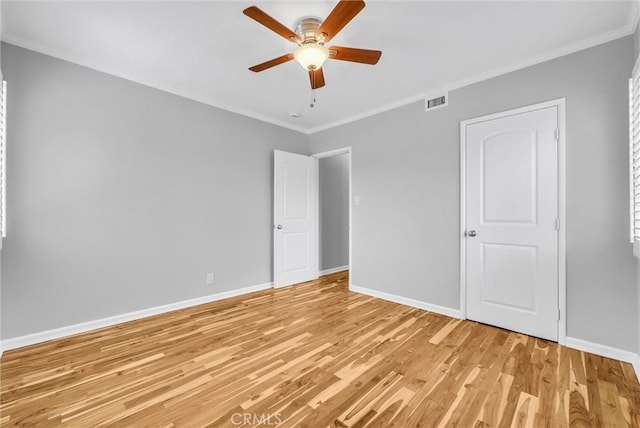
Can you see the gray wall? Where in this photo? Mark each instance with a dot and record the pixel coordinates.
(636, 42)
(405, 168)
(122, 197)
(334, 211)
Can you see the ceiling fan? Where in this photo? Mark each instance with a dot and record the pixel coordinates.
(311, 36)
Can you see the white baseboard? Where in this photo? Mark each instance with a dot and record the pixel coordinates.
(43, 336)
(606, 351)
(30, 339)
(334, 270)
(454, 313)
(579, 344)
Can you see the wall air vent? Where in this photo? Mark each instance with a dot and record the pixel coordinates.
(436, 101)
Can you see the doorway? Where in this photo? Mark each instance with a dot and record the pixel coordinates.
(334, 210)
(298, 244)
(512, 220)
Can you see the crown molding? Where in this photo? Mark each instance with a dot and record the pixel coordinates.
(629, 28)
(556, 53)
(21, 43)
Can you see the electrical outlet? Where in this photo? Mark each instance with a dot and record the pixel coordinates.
(211, 278)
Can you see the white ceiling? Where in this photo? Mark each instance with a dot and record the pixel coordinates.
(202, 49)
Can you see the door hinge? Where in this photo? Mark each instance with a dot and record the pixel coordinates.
(557, 224)
(559, 315)
(556, 134)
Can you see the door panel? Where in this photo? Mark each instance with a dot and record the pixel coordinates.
(510, 273)
(295, 241)
(512, 206)
(296, 251)
(509, 177)
(296, 190)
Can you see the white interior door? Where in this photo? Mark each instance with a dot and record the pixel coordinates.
(295, 238)
(512, 221)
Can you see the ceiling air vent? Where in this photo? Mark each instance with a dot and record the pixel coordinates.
(436, 101)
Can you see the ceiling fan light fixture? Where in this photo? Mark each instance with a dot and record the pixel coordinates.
(311, 56)
(311, 34)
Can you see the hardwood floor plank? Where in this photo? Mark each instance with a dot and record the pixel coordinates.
(593, 390)
(312, 355)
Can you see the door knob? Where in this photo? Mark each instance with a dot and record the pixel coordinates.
(278, 226)
(471, 233)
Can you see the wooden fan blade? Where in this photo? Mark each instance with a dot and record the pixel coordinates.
(317, 78)
(273, 25)
(340, 16)
(364, 56)
(272, 63)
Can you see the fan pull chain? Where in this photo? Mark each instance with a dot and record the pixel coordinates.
(313, 98)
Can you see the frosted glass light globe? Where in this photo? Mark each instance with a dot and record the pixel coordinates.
(311, 56)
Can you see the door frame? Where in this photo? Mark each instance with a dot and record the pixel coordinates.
(562, 251)
(328, 154)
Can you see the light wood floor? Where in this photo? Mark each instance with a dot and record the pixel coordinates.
(312, 355)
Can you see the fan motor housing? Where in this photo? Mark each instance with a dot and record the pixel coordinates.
(306, 28)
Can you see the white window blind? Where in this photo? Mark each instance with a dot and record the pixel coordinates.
(3, 134)
(634, 151)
